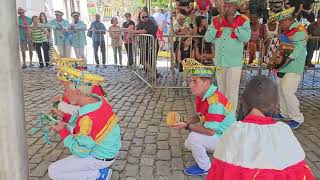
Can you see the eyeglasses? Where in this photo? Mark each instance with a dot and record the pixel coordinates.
(144, 17)
(182, 20)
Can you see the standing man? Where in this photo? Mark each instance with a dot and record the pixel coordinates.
(213, 111)
(98, 31)
(129, 25)
(79, 41)
(289, 74)
(313, 42)
(62, 38)
(229, 30)
(25, 36)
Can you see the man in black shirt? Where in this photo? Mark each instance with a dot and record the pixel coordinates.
(129, 25)
(147, 48)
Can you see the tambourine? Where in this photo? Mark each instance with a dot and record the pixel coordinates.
(173, 118)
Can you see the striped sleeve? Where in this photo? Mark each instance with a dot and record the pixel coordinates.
(217, 119)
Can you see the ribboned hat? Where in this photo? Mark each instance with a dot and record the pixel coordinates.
(20, 9)
(192, 67)
(75, 14)
(281, 15)
(57, 12)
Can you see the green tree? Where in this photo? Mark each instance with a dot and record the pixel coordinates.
(163, 4)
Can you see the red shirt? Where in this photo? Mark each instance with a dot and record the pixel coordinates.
(203, 4)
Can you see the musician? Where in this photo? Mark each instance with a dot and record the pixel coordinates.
(79, 41)
(289, 74)
(213, 111)
(229, 31)
(265, 149)
(61, 37)
(94, 139)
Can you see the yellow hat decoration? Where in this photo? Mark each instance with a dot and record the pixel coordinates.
(79, 77)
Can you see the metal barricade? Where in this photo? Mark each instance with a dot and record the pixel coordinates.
(144, 66)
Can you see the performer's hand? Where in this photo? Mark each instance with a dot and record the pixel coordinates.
(179, 125)
(59, 126)
(57, 98)
(56, 112)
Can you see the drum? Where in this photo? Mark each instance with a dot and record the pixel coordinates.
(173, 118)
(279, 50)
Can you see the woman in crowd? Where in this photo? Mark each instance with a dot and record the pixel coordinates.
(185, 51)
(256, 35)
(116, 42)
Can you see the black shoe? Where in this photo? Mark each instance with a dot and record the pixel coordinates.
(97, 66)
(48, 65)
(24, 66)
(41, 65)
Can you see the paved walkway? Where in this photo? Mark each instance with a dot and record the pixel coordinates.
(149, 149)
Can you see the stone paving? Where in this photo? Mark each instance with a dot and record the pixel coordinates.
(149, 150)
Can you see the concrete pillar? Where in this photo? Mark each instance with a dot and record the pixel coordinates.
(13, 144)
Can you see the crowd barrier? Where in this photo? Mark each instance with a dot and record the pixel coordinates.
(160, 72)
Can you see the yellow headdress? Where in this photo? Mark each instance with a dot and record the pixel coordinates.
(79, 77)
(192, 67)
(281, 15)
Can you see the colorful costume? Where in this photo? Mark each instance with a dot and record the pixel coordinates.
(259, 148)
(229, 40)
(94, 140)
(265, 150)
(289, 75)
(61, 40)
(78, 40)
(214, 111)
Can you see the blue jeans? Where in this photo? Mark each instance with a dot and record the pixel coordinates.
(102, 45)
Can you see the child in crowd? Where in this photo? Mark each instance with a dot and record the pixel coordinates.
(185, 51)
(116, 42)
(40, 40)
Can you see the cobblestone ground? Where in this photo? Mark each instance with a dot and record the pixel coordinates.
(149, 149)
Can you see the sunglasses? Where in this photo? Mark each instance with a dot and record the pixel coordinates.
(182, 20)
(144, 17)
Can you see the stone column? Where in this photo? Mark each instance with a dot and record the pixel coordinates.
(13, 145)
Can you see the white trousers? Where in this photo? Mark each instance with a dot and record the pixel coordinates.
(199, 144)
(64, 51)
(79, 53)
(76, 168)
(289, 103)
(228, 80)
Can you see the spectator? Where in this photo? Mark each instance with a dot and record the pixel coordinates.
(62, 38)
(40, 40)
(116, 42)
(306, 11)
(186, 8)
(185, 51)
(201, 29)
(129, 25)
(98, 30)
(203, 7)
(161, 22)
(276, 5)
(146, 26)
(43, 20)
(259, 7)
(25, 36)
(313, 41)
(256, 35)
(180, 29)
(79, 41)
(204, 53)
(145, 9)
